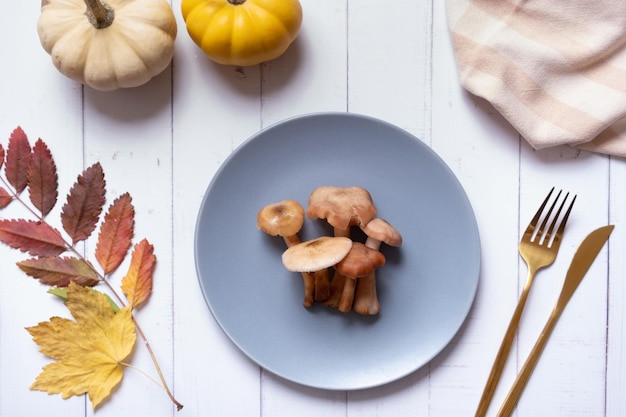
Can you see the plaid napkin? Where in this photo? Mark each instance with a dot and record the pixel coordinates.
(555, 69)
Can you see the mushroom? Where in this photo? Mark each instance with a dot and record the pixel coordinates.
(285, 218)
(316, 254)
(378, 231)
(359, 262)
(342, 207)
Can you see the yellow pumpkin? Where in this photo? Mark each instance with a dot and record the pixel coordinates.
(242, 32)
(120, 43)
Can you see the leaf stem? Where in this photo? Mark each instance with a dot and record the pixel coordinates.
(179, 406)
(17, 197)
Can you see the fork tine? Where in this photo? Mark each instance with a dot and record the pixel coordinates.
(535, 219)
(546, 218)
(559, 233)
(556, 217)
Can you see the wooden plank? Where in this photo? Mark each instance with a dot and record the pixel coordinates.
(49, 106)
(389, 77)
(309, 78)
(215, 109)
(129, 132)
(481, 149)
(616, 319)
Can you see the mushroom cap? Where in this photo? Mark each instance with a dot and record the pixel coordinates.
(316, 254)
(360, 261)
(382, 230)
(283, 218)
(342, 207)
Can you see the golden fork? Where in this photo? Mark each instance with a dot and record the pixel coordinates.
(538, 249)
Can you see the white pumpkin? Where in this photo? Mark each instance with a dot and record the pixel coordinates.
(117, 44)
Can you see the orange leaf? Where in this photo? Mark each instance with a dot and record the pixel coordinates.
(36, 238)
(89, 351)
(116, 233)
(5, 198)
(137, 284)
(60, 271)
(42, 179)
(18, 160)
(84, 204)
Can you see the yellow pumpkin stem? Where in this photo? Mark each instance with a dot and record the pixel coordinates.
(100, 15)
(236, 2)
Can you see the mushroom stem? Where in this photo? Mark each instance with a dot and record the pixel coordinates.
(322, 285)
(366, 297)
(336, 287)
(291, 240)
(347, 295)
(308, 278)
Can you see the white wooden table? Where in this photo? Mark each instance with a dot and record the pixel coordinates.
(164, 141)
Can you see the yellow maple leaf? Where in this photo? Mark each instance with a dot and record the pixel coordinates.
(88, 351)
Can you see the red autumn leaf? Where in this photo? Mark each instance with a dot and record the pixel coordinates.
(116, 233)
(84, 204)
(42, 179)
(137, 284)
(5, 198)
(18, 160)
(36, 238)
(60, 271)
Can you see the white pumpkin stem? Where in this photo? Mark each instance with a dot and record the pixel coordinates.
(100, 15)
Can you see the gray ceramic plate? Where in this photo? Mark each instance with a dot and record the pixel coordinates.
(425, 289)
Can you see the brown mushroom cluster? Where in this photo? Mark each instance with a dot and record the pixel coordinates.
(352, 286)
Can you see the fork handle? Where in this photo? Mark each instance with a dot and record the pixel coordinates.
(522, 379)
(505, 348)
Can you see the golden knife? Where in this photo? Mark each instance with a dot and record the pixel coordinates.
(584, 257)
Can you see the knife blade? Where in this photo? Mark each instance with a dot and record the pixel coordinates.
(582, 261)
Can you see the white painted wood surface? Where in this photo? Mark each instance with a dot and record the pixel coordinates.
(164, 141)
